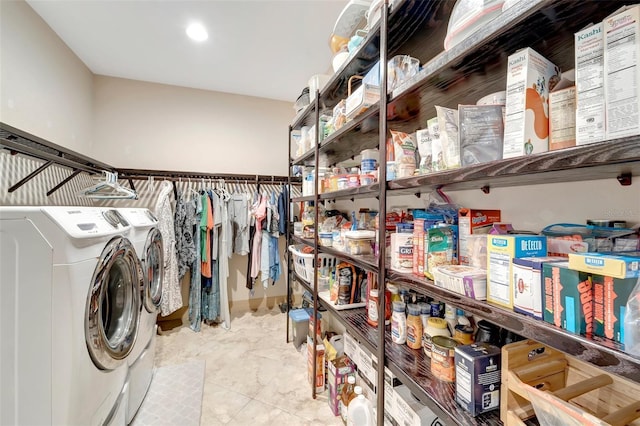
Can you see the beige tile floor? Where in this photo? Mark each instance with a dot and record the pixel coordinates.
(252, 376)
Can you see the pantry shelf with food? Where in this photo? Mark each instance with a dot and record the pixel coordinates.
(444, 122)
(411, 366)
(603, 353)
(602, 160)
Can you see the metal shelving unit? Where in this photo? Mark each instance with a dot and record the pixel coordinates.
(461, 75)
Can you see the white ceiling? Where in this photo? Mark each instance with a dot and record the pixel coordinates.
(264, 48)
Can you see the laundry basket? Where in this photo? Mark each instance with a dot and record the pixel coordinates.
(304, 262)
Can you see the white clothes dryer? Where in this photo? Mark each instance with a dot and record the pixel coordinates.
(69, 314)
(147, 241)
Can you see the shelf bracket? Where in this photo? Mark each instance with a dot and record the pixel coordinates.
(418, 194)
(352, 199)
(486, 189)
(75, 173)
(624, 179)
(30, 176)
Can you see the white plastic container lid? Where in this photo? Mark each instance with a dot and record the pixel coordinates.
(360, 235)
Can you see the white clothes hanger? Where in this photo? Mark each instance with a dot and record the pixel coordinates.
(108, 189)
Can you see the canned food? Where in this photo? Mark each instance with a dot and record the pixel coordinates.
(443, 365)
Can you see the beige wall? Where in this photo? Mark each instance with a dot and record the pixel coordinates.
(155, 126)
(44, 88)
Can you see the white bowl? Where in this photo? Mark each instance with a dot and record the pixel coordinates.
(338, 60)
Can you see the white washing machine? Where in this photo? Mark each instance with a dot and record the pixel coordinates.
(147, 241)
(69, 313)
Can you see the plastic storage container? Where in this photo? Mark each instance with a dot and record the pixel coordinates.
(359, 242)
(299, 326)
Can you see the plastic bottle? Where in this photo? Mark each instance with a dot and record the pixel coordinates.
(398, 324)
(435, 327)
(347, 394)
(425, 313)
(360, 410)
(372, 308)
(395, 294)
(414, 327)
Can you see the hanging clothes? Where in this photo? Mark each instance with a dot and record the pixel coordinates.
(260, 213)
(195, 288)
(211, 286)
(185, 246)
(283, 200)
(225, 247)
(238, 216)
(171, 296)
(252, 234)
(206, 225)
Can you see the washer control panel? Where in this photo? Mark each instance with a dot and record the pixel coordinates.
(88, 222)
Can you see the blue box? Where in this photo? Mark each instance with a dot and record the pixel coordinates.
(478, 377)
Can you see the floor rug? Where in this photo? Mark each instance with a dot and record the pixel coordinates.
(174, 397)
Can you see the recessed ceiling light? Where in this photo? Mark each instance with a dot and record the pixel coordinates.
(197, 32)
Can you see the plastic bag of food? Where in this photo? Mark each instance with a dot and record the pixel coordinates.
(404, 147)
(448, 123)
(424, 139)
(481, 133)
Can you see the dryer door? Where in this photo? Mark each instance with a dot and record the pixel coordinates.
(153, 268)
(113, 305)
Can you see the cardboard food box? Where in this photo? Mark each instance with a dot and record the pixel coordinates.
(351, 348)
(466, 280)
(339, 369)
(568, 298)
(471, 221)
(390, 404)
(590, 104)
(478, 377)
(562, 117)
(610, 296)
(402, 252)
(418, 247)
(501, 250)
(617, 265)
(317, 378)
(530, 76)
(411, 412)
(622, 72)
(528, 291)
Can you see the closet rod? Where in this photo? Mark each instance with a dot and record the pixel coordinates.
(137, 174)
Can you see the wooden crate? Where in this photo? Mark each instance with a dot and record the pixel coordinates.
(569, 390)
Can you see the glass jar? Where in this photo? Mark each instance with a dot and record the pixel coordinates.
(435, 327)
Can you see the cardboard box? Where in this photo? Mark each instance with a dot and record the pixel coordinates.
(319, 377)
(501, 250)
(617, 265)
(590, 104)
(351, 348)
(390, 405)
(529, 78)
(338, 371)
(528, 291)
(471, 222)
(402, 252)
(411, 412)
(568, 298)
(467, 280)
(610, 296)
(478, 377)
(418, 247)
(562, 118)
(622, 72)
(368, 368)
